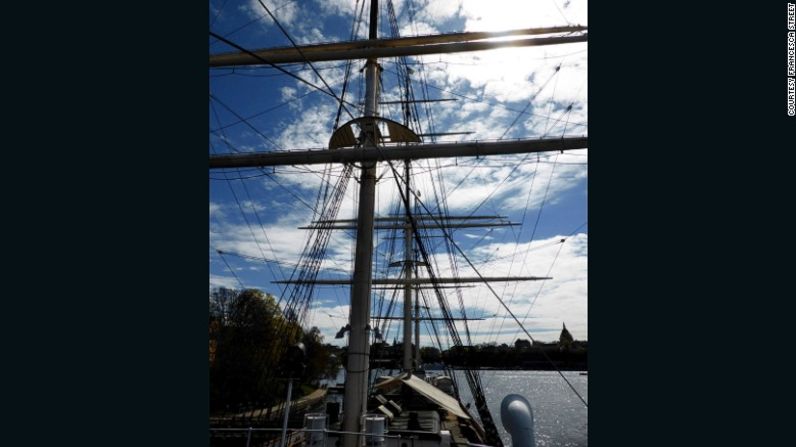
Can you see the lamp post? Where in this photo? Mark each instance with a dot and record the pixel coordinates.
(296, 355)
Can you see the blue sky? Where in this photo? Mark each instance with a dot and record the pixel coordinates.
(549, 190)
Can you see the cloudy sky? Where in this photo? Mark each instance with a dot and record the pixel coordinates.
(527, 92)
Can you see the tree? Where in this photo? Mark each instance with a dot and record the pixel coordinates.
(430, 354)
(244, 347)
(249, 339)
(321, 361)
(522, 343)
(220, 300)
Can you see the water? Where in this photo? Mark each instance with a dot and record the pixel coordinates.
(560, 418)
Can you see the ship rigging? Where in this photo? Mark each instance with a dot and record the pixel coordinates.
(364, 143)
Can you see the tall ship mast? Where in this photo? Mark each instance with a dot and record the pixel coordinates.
(371, 147)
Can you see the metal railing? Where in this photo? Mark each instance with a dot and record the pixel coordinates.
(291, 432)
(325, 431)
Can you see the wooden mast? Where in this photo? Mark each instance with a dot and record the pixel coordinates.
(408, 269)
(358, 355)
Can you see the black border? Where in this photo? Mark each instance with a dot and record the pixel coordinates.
(106, 192)
(688, 181)
(106, 224)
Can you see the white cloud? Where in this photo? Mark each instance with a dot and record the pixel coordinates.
(286, 13)
(338, 7)
(329, 320)
(439, 11)
(505, 81)
(418, 28)
(546, 304)
(215, 210)
(223, 281)
(311, 130)
(288, 93)
(516, 14)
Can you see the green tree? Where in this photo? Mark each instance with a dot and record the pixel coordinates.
(320, 362)
(430, 354)
(244, 348)
(249, 339)
(220, 301)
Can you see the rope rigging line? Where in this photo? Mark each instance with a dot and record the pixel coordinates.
(505, 179)
(218, 13)
(349, 63)
(251, 230)
(535, 227)
(302, 201)
(452, 328)
(315, 247)
(252, 21)
(245, 121)
(231, 270)
(561, 12)
(517, 320)
(533, 232)
(290, 308)
(302, 170)
(442, 204)
(250, 71)
(274, 261)
(549, 271)
(440, 197)
(265, 234)
(270, 109)
(301, 53)
(313, 253)
(493, 101)
(473, 378)
(299, 78)
(530, 101)
(391, 253)
(475, 64)
(237, 201)
(428, 314)
(330, 197)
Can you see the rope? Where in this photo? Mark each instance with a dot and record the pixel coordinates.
(301, 53)
(489, 286)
